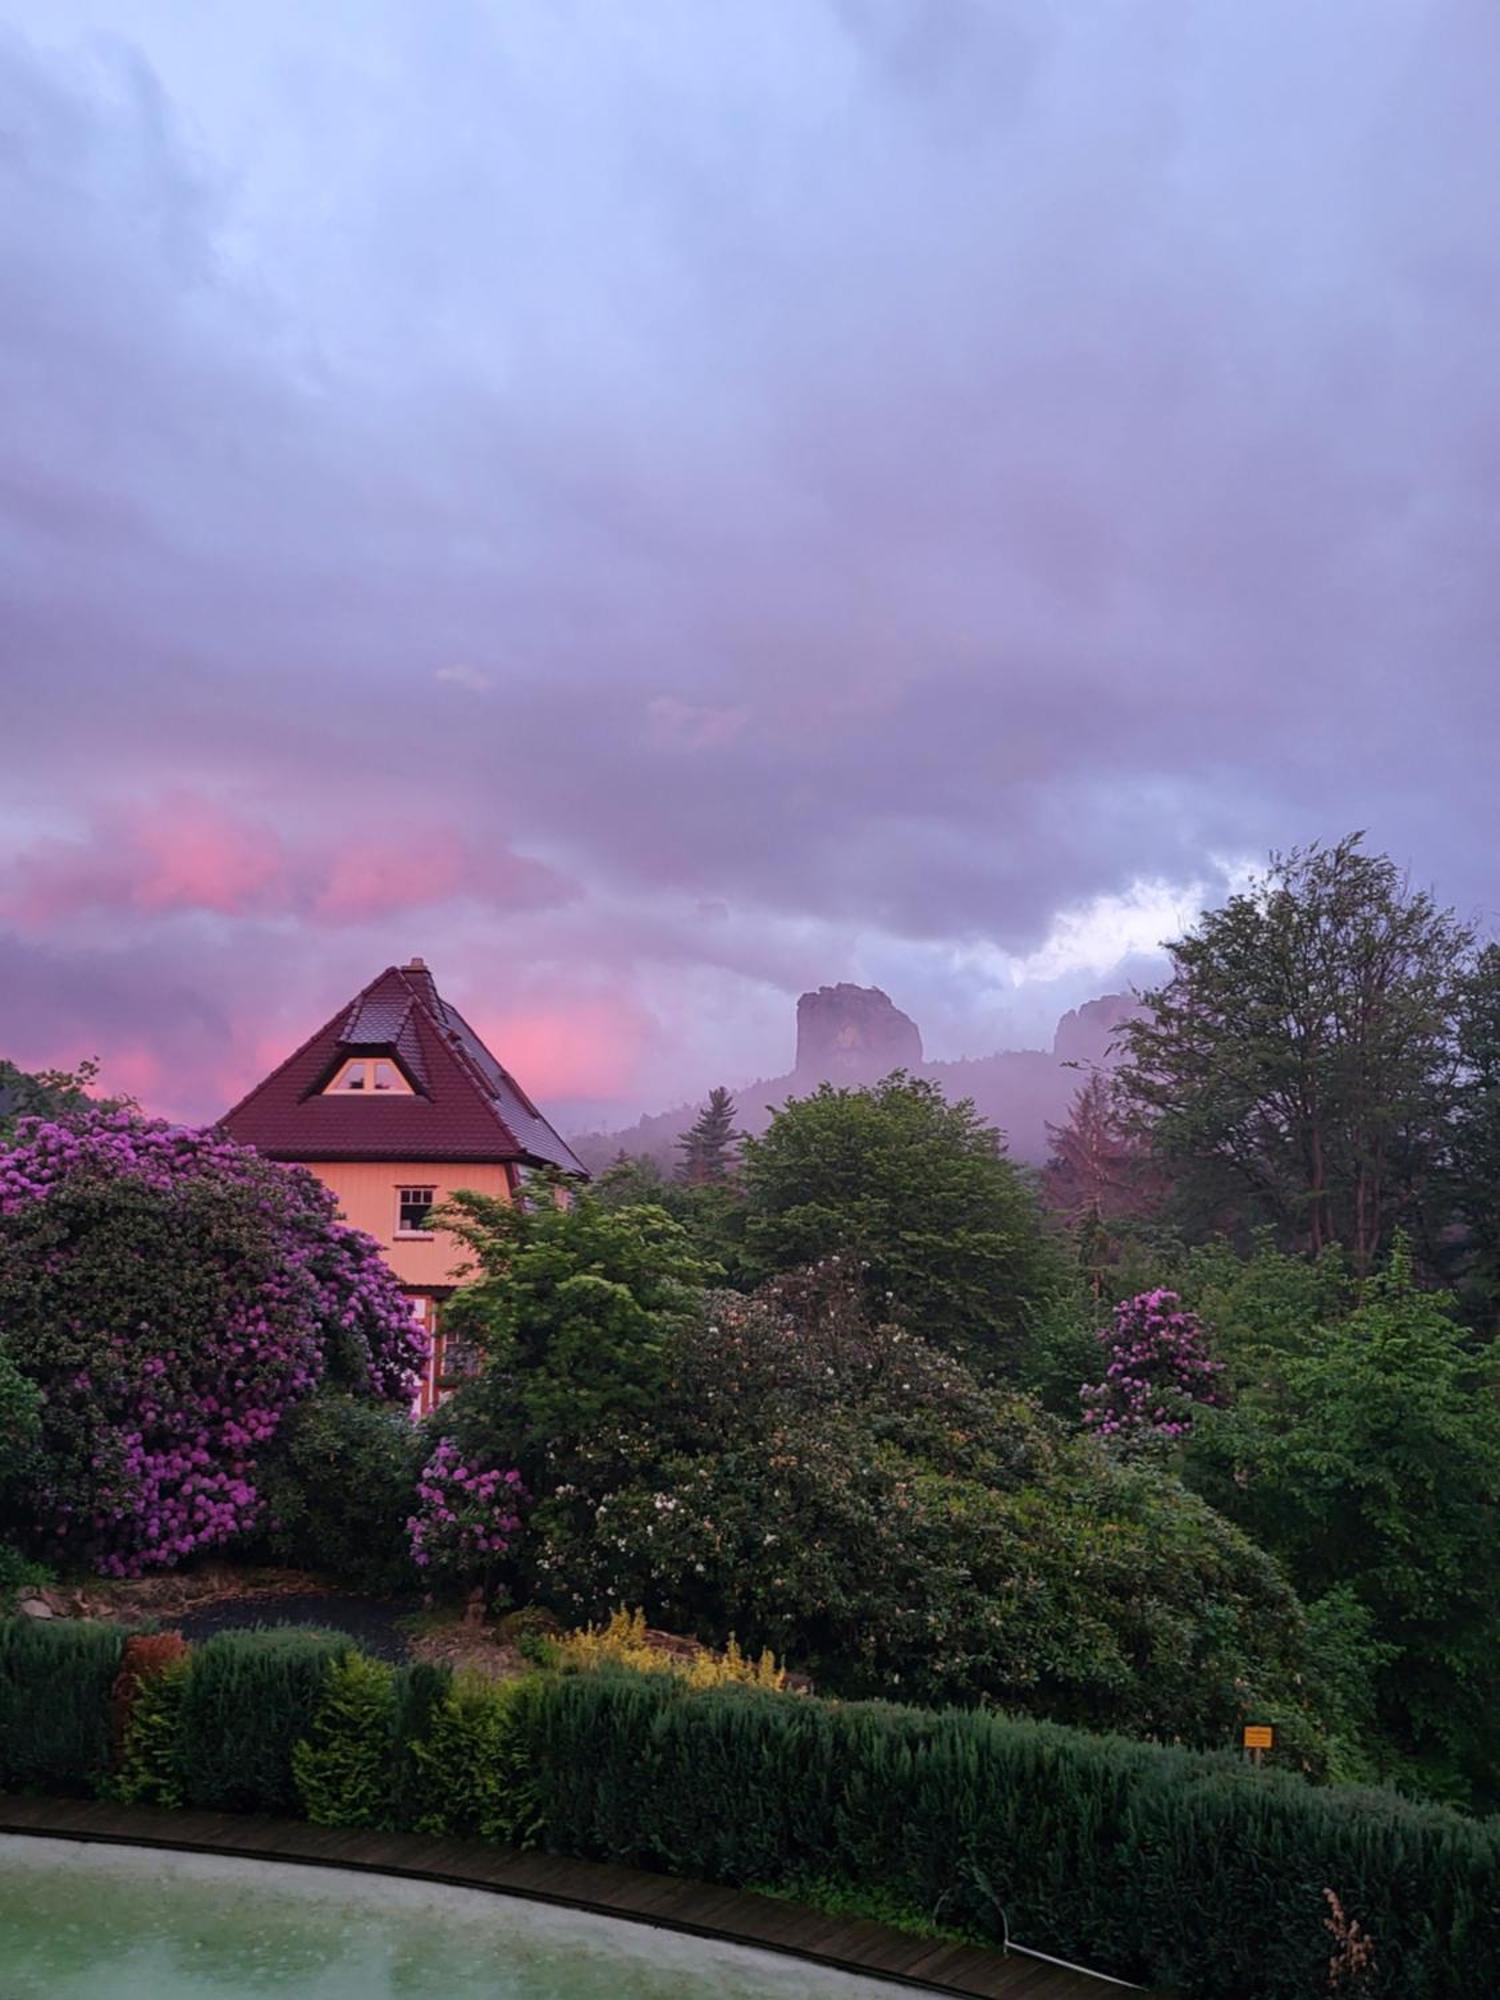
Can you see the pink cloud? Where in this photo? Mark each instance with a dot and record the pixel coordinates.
(196, 856)
(576, 1047)
(181, 852)
(374, 877)
(178, 853)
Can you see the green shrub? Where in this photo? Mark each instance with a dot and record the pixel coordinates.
(341, 1487)
(250, 1698)
(419, 1692)
(478, 1762)
(55, 1681)
(343, 1766)
(149, 1767)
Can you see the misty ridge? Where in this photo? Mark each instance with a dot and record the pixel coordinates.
(852, 1036)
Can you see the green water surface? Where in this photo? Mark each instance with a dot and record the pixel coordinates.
(80, 1922)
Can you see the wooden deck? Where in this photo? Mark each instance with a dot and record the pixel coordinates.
(851, 1943)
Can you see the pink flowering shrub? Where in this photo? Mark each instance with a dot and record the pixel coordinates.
(172, 1295)
(1158, 1372)
(468, 1517)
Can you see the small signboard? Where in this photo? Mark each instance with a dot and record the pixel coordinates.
(1260, 1736)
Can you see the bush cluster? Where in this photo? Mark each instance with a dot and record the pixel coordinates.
(1166, 1866)
(169, 1297)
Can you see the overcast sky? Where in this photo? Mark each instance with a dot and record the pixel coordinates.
(654, 505)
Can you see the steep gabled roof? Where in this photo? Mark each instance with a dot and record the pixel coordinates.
(463, 1104)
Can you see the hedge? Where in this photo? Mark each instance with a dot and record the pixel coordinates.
(56, 1678)
(1168, 1867)
(250, 1699)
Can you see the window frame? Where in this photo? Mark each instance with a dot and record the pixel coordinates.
(420, 1234)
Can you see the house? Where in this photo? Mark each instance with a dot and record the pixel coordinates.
(395, 1104)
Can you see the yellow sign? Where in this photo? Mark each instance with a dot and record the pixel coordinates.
(1259, 1736)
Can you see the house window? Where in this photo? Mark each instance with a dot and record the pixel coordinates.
(375, 1076)
(413, 1205)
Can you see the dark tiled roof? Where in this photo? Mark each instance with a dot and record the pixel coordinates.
(464, 1104)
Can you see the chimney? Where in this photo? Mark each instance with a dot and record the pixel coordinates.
(415, 965)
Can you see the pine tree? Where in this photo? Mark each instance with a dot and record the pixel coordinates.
(708, 1147)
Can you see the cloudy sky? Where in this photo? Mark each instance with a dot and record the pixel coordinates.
(655, 505)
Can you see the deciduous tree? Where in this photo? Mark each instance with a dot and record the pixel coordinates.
(919, 1192)
(1299, 1067)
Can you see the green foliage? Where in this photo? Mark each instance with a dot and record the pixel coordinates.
(477, 1762)
(853, 1499)
(341, 1487)
(918, 1192)
(1264, 1306)
(420, 1690)
(342, 1767)
(20, 1439)
(571, 1306)
(1157, 1865)
(148, 1770)
(55, 1682)
(711, 1214)
(1474, 1140)
(250, 1698)
(1298, 1069)
(1368, 1459)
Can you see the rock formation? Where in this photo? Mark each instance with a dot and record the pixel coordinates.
(1085, 1034)
(853, 1034)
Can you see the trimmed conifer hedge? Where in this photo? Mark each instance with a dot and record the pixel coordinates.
(1168, 1867)
(56, 1677)
(250, 1699)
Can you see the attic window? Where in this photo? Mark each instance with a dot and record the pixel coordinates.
(370, 1076)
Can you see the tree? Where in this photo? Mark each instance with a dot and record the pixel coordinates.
(1475, 1149)
(711, 1213)
(918, 1191)
(1299, 1066)
(171, 1296)
(570, 1305)
(708, 1145)
(1366, 1456)
(50, 1093)
(1099, 1176)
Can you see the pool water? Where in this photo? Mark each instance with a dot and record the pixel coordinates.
(81, 1922)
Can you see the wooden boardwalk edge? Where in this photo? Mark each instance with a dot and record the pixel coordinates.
(736, 1916)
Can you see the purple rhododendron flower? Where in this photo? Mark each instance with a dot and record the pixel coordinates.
(468, 1518)
(1159, 1370)
(161, 1385)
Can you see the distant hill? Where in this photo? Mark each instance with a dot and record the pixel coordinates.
(855, 1035)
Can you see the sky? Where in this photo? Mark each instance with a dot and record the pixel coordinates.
(654, 506)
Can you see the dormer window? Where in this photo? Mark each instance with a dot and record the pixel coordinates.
(369, 1076)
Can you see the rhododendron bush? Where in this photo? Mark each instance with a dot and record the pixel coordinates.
(1158, 1371)
(466, 1518)
(172, 1295)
